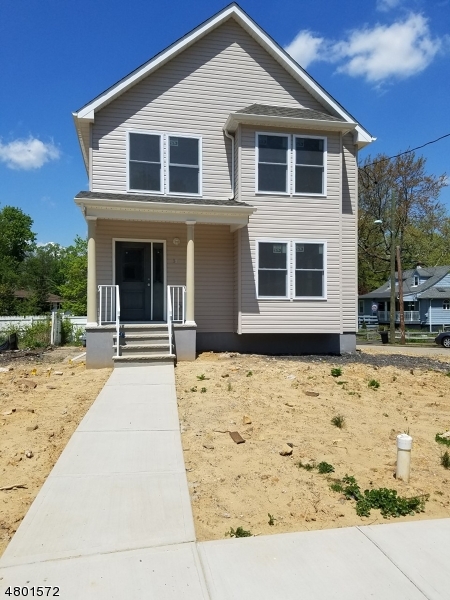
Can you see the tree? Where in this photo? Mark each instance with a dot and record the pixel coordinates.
(74, 288)
(42, 274)
(419, 217)
(16, 240)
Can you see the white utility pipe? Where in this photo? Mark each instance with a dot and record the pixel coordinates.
(404, 445)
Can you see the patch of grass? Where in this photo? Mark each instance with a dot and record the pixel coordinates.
(193, 389)
(307, 466)
(336, 487)
(238, 532)
(338, 421)
(337, 372)
(271, 519)
(442, 440)
(202, 377)
(229, 386)
(249, 374)
(324, 467)
(385, 500)
(445, 460)
(374, 384)
(203, 391)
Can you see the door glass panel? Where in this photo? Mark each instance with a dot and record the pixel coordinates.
(133, 265)
(158, 281)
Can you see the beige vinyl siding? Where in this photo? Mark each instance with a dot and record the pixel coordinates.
(194, 93)
(213, 264)
(281, 217)
(349, 235)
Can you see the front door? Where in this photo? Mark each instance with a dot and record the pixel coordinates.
(140, 277)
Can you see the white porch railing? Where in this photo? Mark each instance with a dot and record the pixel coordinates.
(411, 316)
(177, 294)
(109, 308)
(169, 317)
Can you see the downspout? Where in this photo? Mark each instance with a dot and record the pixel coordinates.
(231, 137)
(429, 317)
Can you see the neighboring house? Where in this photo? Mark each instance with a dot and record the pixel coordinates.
(426, 297)
(53, 300)
(223, 188)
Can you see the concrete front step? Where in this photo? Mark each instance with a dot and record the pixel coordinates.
(142, 349)
(137, 360)
(137, 339)
(131, 328)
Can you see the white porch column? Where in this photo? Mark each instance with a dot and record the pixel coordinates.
(92, 274)
(190, 275)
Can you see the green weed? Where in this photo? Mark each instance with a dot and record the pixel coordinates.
(374, 384)
(238, 532)
(202, 377)
(249, 374)
(442, 440)
(337, 372)
(324, 467)
(338, 421)
(229, 386)
(271, 519)
(203, 391)
(445, 460)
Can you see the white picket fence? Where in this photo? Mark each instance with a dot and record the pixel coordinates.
(55, 318)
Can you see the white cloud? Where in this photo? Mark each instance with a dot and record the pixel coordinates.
(380, 53)
(398, 50)
(27, 154)
(385, 5)
(305, 48)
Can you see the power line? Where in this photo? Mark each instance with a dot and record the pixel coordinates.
(408, 151)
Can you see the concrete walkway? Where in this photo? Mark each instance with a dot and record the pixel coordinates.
(114, 521)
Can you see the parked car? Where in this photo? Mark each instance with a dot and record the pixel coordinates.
(443, 338)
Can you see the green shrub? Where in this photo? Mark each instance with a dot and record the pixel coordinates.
(32, 336)
(374, 384)
(238, 532)
(442, 440)
(337, 372)
(324, 467)
(445, 460)
(338, 421)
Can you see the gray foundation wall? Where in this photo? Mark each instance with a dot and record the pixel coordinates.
(185, 342)
(277, 343)
(99, 348)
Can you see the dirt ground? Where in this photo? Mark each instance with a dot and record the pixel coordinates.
(42, 400)
(266, 400)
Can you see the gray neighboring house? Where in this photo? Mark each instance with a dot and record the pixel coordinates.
(222, 204)
(426, 296)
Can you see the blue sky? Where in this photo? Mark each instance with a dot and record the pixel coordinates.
(386, 61)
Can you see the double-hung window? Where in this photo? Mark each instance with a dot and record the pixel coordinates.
(273, 269)
(309, 165)
(291, 269)
(184, 165)
(279, 155)
(165, 164)
(145, 162)
(273, 163)
(309, 270)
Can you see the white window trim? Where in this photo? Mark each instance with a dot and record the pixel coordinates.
(288, 158)
(164, 153)
(290, 261)
(167, 164)
(324, 291)
(294, 165)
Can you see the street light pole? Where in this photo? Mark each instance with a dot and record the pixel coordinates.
(392, 311)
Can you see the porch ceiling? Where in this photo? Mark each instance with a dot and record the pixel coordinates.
(131, 207)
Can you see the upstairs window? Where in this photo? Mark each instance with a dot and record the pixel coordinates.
(145, 168)
(184, 165)
(309, 165)
(416, 281)
(309, 270)
(164, 164)
(446, 304)
(273, 160)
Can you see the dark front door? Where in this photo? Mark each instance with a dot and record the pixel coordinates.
(140, 277)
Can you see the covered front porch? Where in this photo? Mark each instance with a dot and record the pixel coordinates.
(166, 266)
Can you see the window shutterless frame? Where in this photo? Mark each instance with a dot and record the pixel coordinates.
(164, 156)
(290, 268)
(259, 134)
(309, 165)
(262, 268)
(303, 243)
(169, 164)
(161, 163)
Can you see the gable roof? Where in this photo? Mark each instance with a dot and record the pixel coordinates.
(87, 112)
(433, 274)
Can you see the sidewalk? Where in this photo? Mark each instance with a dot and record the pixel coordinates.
(114, 521)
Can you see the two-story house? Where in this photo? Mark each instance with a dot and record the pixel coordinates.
(222, 203)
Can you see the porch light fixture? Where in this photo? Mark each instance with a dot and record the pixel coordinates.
(176, 241)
